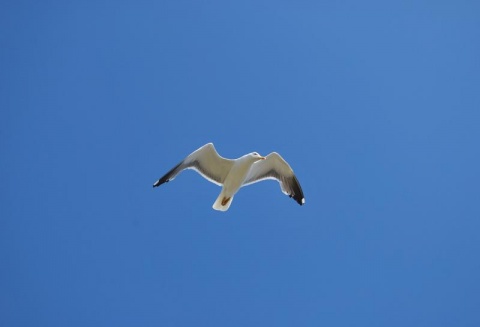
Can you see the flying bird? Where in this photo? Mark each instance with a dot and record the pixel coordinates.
(232, 174)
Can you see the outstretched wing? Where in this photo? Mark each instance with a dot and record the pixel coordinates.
(275, 167)
(206, 161)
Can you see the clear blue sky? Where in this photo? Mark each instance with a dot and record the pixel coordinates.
(375, 105)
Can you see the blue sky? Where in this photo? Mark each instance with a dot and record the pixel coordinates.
(374, 104)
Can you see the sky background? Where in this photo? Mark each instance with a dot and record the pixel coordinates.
(375, 105)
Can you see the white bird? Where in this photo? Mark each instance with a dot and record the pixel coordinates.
(232, 174)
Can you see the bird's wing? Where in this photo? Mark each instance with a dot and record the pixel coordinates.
(206, 161)
(275, 167)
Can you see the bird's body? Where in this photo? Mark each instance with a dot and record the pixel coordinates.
(233, 181)
(233, 174)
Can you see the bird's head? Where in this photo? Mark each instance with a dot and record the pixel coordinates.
(255, 156)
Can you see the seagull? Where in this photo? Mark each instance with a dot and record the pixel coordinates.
(232, 174)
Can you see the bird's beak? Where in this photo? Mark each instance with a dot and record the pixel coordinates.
(262, 158)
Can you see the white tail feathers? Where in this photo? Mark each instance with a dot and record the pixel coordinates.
(223, 202)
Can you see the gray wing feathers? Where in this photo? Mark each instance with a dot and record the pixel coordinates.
(275, 167)
(206, 161)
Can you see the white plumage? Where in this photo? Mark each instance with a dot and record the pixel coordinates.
(232, 174)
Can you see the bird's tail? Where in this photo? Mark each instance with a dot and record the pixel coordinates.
(223, 202)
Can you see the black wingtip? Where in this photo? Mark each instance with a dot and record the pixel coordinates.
(297, 193)
(300, 201)
(167, 177)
